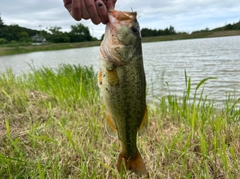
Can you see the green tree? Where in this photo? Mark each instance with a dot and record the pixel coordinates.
(229, 27)
(23, 36)
(10, 33)
(171, 30)
(166, 31)
(3, 41)
(1, 21)
(160, 32)
(58, 36)
(62, 37)
(55, 30)
(145, 32)
(102, 37)
(79, 33)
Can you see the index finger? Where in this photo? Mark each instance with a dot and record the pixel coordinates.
(102, 11)
(92, 10)
(76, 10)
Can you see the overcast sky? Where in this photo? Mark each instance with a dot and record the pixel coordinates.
(183, 15)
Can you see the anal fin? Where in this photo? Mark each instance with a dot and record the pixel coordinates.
(110, 126)
(144, 124)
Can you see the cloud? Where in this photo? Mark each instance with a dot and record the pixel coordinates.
(183, 15)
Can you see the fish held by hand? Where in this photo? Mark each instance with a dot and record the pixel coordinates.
(122, 83)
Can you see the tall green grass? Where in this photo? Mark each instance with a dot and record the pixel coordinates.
(69, 84)
(51, 126)
(205, 139)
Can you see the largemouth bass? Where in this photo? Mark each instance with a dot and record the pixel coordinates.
(122, 83)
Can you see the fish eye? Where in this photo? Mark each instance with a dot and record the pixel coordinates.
(134, 29)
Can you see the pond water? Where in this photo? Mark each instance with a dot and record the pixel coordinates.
(165, 63)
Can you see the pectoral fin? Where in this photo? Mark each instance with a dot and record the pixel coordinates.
(99, 78)
(110, 126)
(113, 78)
(143, 126)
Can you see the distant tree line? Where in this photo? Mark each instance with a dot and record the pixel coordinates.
(14, 33)
(145, 32)
(233, 26)
(78, 33)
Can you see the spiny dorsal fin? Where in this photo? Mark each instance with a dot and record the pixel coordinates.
(122, 15)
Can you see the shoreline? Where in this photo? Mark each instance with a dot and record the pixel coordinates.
(53, 127)
(13, 49)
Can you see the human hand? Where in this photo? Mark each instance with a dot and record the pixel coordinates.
(96, 10)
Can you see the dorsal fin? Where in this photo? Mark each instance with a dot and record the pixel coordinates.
(121, 15)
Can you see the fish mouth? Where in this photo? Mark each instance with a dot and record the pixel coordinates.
(113, 47)
(116, 20)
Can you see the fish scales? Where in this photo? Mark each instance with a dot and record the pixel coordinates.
(126, 101)
(123, 85)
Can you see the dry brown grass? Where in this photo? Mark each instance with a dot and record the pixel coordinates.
(44, 137)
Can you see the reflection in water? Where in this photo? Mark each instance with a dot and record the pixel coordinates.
(165, 63)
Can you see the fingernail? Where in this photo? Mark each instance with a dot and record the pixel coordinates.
(99, 4)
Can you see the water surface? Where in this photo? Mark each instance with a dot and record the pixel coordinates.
(165, 63)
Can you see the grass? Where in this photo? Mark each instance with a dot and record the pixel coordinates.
(183, 36)
(10, 49)
(51, 126)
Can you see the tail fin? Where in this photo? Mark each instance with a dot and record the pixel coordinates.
(134, 164)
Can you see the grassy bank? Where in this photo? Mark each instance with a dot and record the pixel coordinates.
(206, 34)
(11, 49)
(52, 126)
